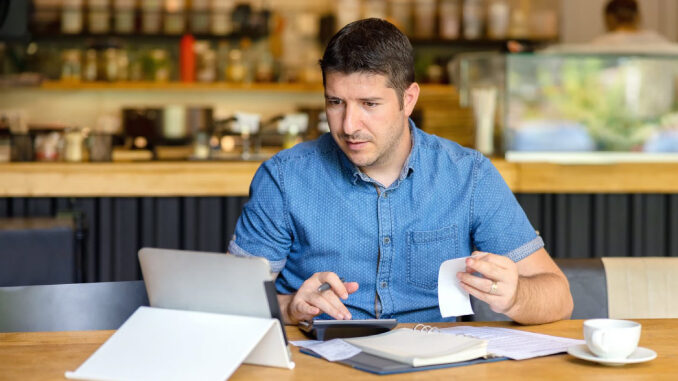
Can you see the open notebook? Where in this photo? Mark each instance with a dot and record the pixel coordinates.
(421, 347)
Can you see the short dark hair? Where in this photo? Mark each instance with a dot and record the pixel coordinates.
(374, 46)
(623, 11)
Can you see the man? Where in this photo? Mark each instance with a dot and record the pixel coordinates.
(622, 20)
(382, 204)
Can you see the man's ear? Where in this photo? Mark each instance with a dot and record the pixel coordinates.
(410, 96)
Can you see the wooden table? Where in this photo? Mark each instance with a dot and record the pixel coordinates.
(46, 356)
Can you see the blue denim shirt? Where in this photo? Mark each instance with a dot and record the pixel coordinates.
(312, 210)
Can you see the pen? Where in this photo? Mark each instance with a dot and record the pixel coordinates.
(326, 286)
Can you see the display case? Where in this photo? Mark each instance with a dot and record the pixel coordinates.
(554, 106)
(602, 103)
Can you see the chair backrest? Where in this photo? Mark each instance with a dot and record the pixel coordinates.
(642, 287)
(37, 251)
(587, 285)
(69, 307)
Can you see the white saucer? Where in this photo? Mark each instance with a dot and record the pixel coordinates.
(641, 354)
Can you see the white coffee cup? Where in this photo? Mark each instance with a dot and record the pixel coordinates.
(611, 338)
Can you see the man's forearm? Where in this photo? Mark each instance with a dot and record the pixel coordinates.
(541, 298)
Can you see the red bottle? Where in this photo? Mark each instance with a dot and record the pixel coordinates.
(187, 59)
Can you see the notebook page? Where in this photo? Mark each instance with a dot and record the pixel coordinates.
(515, 344)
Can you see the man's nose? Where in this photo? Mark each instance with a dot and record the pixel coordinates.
(351, 120)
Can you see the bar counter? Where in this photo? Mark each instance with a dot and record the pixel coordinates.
(232, 178)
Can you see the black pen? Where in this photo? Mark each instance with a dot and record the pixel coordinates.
(326, 286)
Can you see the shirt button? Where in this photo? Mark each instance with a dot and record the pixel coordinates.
(385, 194)
(384, 284)
(387, 240)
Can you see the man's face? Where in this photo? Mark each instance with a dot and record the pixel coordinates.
(366, 119)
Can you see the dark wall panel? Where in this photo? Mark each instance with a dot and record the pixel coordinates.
(572, 225)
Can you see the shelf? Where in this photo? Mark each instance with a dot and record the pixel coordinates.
(427, 89)
(482, 42)
(182, 86)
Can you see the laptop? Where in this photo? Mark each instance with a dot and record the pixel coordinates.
(210, 282)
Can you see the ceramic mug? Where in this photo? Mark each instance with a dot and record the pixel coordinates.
(611, 338)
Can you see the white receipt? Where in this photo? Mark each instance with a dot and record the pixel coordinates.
(331, 350)
(452, 298)
(516, 344)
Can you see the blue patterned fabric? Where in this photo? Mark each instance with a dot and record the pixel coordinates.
(312, 210)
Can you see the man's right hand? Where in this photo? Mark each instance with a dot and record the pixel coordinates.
(308, 302)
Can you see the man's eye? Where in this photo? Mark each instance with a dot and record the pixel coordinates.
(334, 101)
(371, 104)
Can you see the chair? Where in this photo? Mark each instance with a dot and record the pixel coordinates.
(642, 287)
(69, 307)
(587, 285)
(37, 251)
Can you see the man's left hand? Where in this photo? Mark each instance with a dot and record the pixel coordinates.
(499, 282)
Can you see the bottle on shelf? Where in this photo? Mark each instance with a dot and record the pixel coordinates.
(498, 18)
(401, 15)
(175, 17)
(89, 70)
(474, 19)
(98, 16)
(449, 21)
(151, 16)
(424, 18)
(187, 55)
(220, 17)
(206, 61)
(71, 16)
(71, 67)
(124, 13)
(200, 16)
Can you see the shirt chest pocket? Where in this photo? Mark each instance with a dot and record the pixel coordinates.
(426, 250)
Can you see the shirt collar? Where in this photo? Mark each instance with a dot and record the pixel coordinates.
(408, 166)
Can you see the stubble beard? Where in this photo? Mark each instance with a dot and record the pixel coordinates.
(382, 156)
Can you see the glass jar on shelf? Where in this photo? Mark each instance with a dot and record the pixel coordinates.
(400, 12)
(424, 18)
(71, 16)
(236, 71)
(73, 144)
(123, 65)
(71, 67)
(151, 16)
(223, 49)
(159, 68)
(175, 17)
(206, 62)
(200, 16)
(90, 67)
(474, 19)
(98, 16)
(109, 64)
(449, 21)
(543, 20)
(124, 16)
(498, 19)
(220, 20)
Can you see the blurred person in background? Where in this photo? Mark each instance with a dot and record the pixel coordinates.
(623, 24)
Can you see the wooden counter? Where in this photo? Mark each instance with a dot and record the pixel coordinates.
(233, 178)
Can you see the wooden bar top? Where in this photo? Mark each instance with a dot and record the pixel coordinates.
(232, 178)
(47, 355)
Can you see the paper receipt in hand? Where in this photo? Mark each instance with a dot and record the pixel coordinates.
(452, 298)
